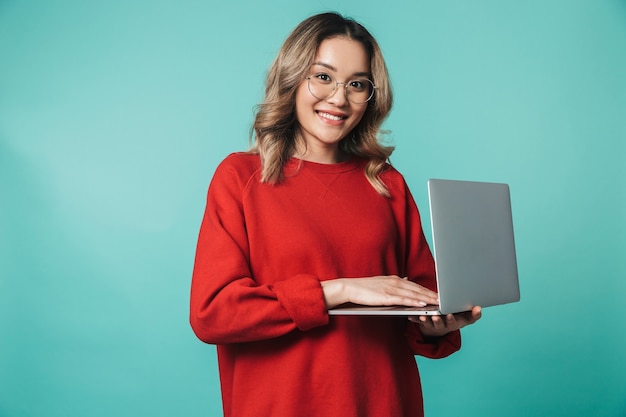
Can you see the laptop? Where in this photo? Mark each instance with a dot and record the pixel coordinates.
(473, 247)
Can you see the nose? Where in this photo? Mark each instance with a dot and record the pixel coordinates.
(339, 97)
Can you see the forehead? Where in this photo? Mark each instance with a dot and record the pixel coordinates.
(342, 55)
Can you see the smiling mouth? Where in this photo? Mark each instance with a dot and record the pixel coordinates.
(329, 116)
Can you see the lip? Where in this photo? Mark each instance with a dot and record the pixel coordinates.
(331, 117)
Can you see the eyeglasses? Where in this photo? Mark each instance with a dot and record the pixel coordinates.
(358, 91)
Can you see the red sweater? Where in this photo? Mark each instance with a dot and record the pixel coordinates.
(262, 252)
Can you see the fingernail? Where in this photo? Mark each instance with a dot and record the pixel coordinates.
(421, 304)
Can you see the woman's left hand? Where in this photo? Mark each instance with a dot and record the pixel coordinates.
(433, 326)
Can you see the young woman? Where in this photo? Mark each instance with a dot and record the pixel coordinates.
(313, 217)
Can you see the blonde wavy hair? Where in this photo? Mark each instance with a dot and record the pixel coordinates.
(275, 128)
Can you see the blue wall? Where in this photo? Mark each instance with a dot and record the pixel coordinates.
(113, 116)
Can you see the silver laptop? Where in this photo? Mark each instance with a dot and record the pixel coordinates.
(473, 246)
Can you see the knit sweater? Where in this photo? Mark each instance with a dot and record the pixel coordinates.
(263, 250)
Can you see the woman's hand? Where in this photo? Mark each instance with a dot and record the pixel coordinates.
(433, 326)
(377, 291)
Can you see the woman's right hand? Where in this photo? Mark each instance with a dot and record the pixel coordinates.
(377, 291)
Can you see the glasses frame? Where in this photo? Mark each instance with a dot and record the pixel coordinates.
(345, 90)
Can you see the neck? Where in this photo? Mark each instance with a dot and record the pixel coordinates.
(322, 155)
(321, 159)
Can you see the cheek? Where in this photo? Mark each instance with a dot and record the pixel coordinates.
(359, 113)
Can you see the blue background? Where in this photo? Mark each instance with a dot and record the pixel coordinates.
(113, 116)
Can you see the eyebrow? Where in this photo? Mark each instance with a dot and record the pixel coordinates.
(332, 68)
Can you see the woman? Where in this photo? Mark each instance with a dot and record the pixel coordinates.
(311, 218)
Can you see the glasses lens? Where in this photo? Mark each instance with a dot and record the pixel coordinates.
(360, 91)
(321, 86)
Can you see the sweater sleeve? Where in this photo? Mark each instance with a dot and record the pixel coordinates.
(432, 347)
(227, 305)
(420, 267)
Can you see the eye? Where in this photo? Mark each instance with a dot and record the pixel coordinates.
(323, 78)
(358, 85)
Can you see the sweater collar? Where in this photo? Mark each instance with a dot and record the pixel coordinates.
(349, 165)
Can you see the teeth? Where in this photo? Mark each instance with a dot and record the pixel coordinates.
(330, 116)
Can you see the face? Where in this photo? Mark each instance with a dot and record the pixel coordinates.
(325, 122)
